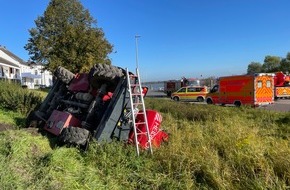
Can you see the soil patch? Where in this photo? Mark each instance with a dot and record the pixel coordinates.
(5, 126)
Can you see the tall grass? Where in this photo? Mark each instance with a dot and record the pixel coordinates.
(210, 147)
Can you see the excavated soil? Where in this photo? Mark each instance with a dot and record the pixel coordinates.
(5, 126)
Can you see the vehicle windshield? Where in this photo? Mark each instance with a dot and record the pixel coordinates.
(215, 88)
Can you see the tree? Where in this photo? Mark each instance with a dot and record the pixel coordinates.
(66, 35)
(285, 64)
(254, 67)
(271, 64)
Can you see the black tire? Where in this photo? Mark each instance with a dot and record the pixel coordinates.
(105, 72)
(175, 98)
(209, 101)
(64, 75)
(200, 99)
(75, 136)
(237, 103)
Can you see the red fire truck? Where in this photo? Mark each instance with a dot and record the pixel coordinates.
(282, 85)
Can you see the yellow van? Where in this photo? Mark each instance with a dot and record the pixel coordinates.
(190, 93)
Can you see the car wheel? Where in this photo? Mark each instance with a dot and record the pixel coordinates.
(209, 101)
(200, 99)
(175, 98)
(237, 103)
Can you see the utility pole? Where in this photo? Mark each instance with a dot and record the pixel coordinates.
(136, 41)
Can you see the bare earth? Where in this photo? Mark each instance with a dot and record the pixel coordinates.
(4, 126)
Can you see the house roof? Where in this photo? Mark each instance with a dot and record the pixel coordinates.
(12, 55)
(4, 61)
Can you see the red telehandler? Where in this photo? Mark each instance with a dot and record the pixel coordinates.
(97, 105)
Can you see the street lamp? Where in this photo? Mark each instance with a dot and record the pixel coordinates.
(136, 40)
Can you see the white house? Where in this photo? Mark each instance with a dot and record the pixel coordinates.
(27, 73)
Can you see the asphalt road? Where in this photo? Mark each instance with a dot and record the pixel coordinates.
(279, 105)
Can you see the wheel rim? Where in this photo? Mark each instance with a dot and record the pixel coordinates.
(200, 99)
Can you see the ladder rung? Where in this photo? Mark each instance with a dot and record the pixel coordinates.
(142, 134)
(138, 123)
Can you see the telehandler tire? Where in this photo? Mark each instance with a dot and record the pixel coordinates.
(63, 74)
(75, 136)
(104, 73)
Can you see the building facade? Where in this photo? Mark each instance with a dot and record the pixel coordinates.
(29, 74)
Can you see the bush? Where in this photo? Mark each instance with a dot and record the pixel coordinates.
(14, 97)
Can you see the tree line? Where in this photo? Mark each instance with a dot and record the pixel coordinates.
(271, 64)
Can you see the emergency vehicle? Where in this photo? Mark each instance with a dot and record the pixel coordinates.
(174, 85)
(282, 85)
(190, 93)
(254, 90)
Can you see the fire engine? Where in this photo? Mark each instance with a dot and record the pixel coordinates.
(282, 85)
(254, 90)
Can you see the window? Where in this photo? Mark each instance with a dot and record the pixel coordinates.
(198, 89)
(215, 89)
(191, 90)
(268, 84)
(259, 84)
(182, 90)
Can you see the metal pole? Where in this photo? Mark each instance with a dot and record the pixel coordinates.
(136, 41)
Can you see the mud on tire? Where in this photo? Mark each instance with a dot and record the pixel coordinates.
(63, 74)
(104, 73)
(75, 136)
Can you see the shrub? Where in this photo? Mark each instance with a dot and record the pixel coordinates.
(14, 97)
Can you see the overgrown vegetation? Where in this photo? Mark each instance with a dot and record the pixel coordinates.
(210, 147)
(15, 98)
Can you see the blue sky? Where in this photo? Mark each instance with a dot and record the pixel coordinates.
(190, 38)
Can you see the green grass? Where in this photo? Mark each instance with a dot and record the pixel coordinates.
(210, 147)
(11, 118)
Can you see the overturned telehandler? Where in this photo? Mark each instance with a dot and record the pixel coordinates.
(106, 104)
